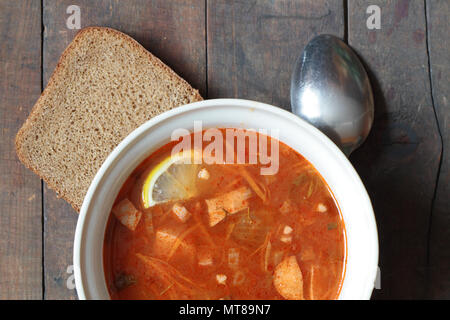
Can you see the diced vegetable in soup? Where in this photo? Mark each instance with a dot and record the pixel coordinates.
(181, 230)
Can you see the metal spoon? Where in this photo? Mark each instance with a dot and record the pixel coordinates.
(331, 90)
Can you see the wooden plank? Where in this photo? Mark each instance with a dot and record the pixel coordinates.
(253, 45)
(439, 51)
(20, 196)
(173, 31)
(399, 161)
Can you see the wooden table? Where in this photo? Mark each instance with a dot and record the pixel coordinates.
(247, 49)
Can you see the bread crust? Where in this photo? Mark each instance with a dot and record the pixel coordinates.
(58, 75)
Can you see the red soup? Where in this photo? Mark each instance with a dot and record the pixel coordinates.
(187, 229)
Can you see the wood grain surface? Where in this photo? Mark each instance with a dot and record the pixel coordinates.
(172, 30)
(399, 162)
(439, 51)
(20, 189)
(253, 45)
(247, 49)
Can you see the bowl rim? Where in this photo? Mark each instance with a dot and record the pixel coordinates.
(211, 103)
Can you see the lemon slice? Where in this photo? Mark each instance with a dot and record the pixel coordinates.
(172, 179)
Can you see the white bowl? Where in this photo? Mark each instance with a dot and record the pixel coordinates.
(356, 209)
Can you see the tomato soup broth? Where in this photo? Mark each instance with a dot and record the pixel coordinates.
(224, 231)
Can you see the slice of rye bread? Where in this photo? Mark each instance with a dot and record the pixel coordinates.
(104, 86)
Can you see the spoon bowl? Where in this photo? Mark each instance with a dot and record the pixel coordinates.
(331, 90)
